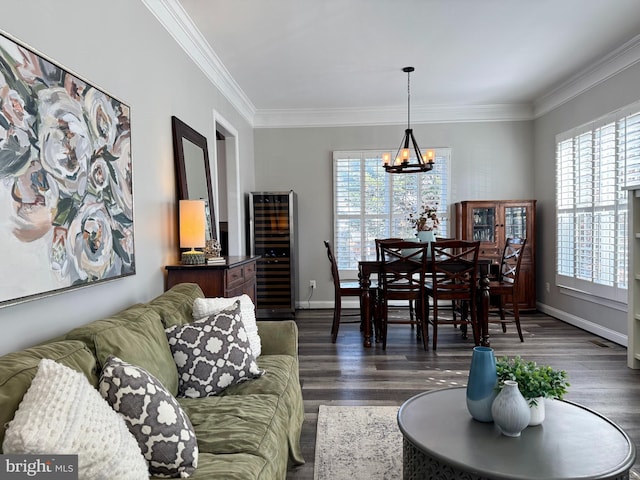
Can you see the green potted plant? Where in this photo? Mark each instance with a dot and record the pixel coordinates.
(535, 382)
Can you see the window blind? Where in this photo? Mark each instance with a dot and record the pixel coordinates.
(370, 203)
(594, 162)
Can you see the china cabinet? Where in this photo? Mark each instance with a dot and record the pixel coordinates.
(491, 223)
(272, 237)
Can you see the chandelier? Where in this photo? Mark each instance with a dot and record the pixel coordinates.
(405, 160)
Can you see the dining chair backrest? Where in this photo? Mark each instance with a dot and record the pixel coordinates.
(511, 260)
(404, 267)
(454, 269)
(380, 242)
(334, 268)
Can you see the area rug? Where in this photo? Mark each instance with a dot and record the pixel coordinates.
(358, 443)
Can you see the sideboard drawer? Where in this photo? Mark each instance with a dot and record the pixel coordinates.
(234, 276)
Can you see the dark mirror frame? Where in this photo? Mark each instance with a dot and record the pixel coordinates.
(183, 131)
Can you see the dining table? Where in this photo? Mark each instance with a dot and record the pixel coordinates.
(367, 268)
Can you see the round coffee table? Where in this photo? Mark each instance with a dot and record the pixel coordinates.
(442, 441)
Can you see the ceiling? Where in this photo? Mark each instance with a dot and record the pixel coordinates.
(294, 57)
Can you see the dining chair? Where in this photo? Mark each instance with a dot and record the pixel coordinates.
(503, 290)
(379, 242)
(402, 277)
(343, 288)
(453, 277)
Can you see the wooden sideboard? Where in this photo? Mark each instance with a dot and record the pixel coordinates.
(235, 277)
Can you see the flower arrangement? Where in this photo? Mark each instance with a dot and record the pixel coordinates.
(534, 381)
(426, 219)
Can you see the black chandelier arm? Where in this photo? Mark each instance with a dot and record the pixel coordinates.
(421, 164)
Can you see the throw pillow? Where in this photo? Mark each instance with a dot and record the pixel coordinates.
(212, 354)
(61, 413)
(154, 417)
(203, 308)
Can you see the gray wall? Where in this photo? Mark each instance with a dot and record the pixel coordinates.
(121, 47)
(492, 160)
(618, 91)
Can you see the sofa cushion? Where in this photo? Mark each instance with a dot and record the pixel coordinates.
(18, 369)
(212, 354)
(135, 335)
(154, 417)
(62, 413)
(205, 307)
(237, 466)
(239, 425)
(282, 380)
(174, 305)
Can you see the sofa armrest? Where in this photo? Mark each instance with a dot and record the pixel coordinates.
(278, 337)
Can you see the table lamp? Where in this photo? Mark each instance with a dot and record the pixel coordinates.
(192, 231)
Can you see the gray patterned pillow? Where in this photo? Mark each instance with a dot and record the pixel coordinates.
(212, 354)
(154, 417)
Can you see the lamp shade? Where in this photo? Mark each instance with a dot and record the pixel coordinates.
(192, 224)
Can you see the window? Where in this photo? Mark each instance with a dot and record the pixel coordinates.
(594, 163)
(370, 203)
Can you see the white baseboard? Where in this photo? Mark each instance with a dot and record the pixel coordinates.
(587, 325)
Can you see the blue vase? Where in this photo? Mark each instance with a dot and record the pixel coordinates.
(481, 386)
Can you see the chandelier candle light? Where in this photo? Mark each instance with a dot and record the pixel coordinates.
(404, 161)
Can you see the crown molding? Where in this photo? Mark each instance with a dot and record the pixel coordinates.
(180, 26)
(341, 117)
(610, 65)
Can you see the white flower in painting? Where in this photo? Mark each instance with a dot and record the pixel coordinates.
(166, 413)
(99, 175)
(90, 242)
(101, 118)
(35, 199)
(64, 139)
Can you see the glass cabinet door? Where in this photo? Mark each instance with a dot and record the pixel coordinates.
(484, 224)
(515, 222)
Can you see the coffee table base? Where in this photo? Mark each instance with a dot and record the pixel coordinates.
(417, 465)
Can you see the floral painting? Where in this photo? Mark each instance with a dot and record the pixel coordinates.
(66, 196)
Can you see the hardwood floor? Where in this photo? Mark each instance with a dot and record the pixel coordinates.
(345, 373)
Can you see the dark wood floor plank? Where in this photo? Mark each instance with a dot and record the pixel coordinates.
(345, 373)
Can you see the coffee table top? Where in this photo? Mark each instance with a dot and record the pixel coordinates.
(572, 443)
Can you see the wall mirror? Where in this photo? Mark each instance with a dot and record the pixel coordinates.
(193, 172)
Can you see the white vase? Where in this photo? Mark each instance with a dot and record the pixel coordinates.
(537, 412)
(510, 410)
(426, 236)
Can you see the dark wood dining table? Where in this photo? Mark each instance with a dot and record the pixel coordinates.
(366, 268)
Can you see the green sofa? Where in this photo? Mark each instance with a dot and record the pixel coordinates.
(250, 431)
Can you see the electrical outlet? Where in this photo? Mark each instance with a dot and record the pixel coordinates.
(547, 287)
(312, 284)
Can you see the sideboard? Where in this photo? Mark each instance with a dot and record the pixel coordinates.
(235, 277)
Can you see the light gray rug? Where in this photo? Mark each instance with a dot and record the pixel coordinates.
(358, 443)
